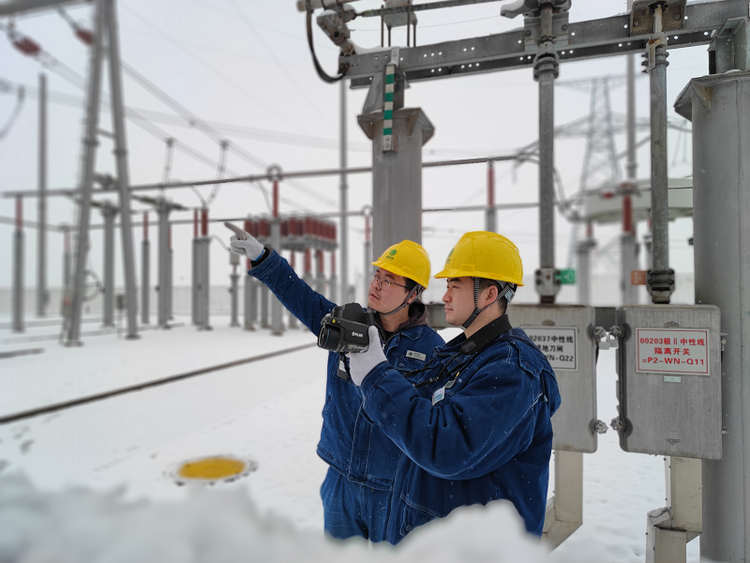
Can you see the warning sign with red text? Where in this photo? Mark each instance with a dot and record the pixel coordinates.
(674, 350)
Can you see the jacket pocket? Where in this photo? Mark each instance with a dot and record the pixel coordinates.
(411, 517)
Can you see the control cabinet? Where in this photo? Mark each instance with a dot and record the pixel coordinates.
(669, 380)
(565, 334)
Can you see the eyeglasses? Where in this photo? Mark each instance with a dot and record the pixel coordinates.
(384, 284)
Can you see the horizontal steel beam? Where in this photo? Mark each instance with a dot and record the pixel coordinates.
(257, 177)
(16, 7)
(506, 51)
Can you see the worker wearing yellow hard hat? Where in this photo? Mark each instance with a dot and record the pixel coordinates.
(474, 424)
(362, 460)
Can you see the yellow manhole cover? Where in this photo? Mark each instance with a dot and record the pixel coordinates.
(211, 470)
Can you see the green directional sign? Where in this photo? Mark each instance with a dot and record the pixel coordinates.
(567, 276)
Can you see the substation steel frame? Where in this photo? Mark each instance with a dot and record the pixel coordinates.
(106, 25)
(572, 41)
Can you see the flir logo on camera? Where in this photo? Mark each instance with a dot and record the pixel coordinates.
(358, 334)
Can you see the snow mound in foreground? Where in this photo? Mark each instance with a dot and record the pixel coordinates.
(212, 526)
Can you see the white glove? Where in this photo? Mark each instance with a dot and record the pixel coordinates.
(243, 243)
(362, 363)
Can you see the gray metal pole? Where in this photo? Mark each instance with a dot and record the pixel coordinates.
(344, 220)
(18, 269)
(41, 272)
(251, 302)
(108, 306)
(234, 290)
(90, 143)
(123, 179)
(292, 321)
(170, 281)
(66, 258)
(205, 277)
(629, 256)
(333, 284)
(367, 271)
(583, 277)
(320, 276)
(546, 69)
(719, 107)
(145, 273)
(661, 278)
(265, 296)
(277, 326)
(489, 214)
(162, 316)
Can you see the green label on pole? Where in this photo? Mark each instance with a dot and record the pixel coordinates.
(567, 276)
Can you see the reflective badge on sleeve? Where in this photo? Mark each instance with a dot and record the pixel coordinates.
(438, 396)
(416, 355)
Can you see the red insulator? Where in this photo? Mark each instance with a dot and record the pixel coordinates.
(333, 263)
(85, 36)
(333, 232)
(27, 46)
(264, 228)
(285, 227)
(204, 222)
(294, 227)
(309, 226)
(308, 260)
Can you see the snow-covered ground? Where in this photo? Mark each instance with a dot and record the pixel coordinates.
(97, 474)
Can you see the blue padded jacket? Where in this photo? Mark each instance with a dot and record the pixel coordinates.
(349, 441)
(481, 433)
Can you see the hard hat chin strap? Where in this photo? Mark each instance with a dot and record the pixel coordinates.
(415, 291)
(508, 292)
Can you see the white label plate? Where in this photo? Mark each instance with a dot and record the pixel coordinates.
(672, 350)
(558, 343)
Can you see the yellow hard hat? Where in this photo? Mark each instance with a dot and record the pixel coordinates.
(481, 254)
(408, 259)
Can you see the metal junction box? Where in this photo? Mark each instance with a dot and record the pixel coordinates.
(564, 333)
(669, 380)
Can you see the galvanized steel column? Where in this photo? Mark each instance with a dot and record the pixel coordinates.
(490, 213)
(108, 307)
(719, 108)
(292, 321)
(546, 69)
(90, 143)
(123, 179)
(344, 201)
(145, 272)
(162, 210)
(397, 135)
(277, 326)
(18, 269)
(41, 272)
(659, 185)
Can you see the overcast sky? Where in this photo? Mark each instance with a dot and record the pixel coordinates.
(244, 66)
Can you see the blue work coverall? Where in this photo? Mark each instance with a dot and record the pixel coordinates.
(482, 432)
(357, 490)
